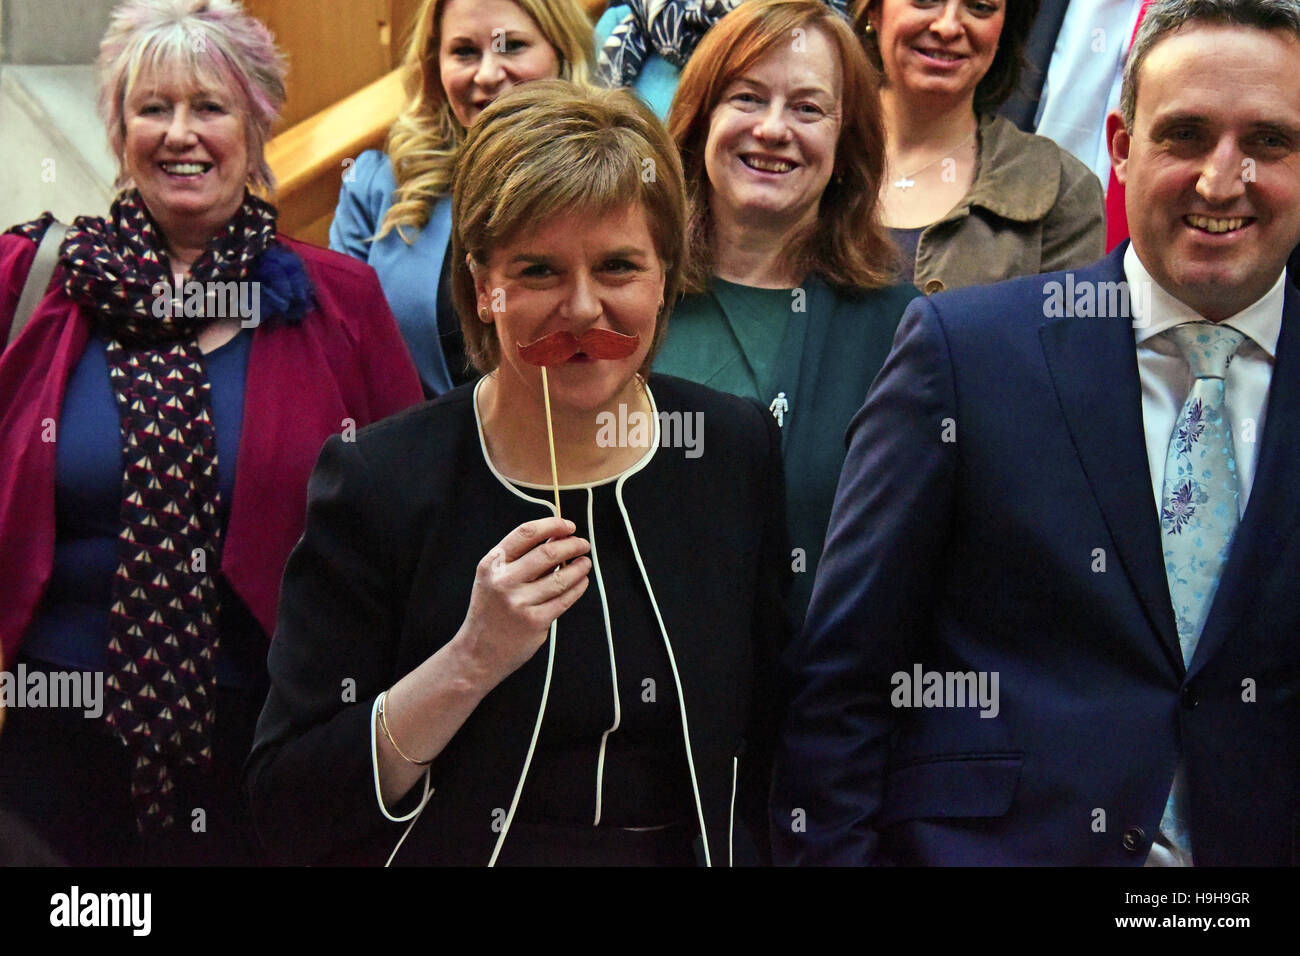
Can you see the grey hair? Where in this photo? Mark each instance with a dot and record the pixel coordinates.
(1165, 16)
(212, 41)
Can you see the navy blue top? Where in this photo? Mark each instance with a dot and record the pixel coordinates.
(907, 241)
(71, 626)
(449, 330)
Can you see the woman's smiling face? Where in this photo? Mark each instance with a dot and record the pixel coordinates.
(486, 47)
(937, 47)
(572, 274)
(773, 134)
(186, 149)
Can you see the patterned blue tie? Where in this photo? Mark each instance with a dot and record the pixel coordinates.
(1198, 515)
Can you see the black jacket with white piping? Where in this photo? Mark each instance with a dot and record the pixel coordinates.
(397, 522)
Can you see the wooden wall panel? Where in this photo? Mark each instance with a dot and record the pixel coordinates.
(402, 17)
(334, 47)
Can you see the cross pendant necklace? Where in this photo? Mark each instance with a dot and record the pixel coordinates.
(907, 182)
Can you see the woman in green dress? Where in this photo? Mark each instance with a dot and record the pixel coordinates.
(791, 295)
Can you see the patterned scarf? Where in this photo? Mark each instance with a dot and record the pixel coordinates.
(671, 28)
(164, 607)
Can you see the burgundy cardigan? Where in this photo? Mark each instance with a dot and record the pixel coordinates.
(345, 361)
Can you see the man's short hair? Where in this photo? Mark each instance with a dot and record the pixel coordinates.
(1165, 16)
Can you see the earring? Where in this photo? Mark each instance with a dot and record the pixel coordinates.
(868, 29)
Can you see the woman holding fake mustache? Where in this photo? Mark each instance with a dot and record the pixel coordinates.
(462, 676)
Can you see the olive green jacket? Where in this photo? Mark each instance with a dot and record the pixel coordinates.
(1032, 208)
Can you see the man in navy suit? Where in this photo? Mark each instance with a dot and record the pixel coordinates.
(1056, 619)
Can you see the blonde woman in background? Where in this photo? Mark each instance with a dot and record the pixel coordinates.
(394, 208)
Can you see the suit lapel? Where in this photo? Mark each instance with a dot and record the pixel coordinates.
(1271, 514)
(820, 306)
(727, 367)
(1093, 364)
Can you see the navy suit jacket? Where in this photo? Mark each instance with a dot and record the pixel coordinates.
(1022, 106)
(995, 515)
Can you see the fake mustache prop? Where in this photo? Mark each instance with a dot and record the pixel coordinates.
(561, 346)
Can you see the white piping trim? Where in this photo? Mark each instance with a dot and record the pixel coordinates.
(677, 680)
(428, 793)
(672, 659)
(731, 824)
(513, 488)
(550, 652)
(532, 745)
(414, 815)
(506, 483)
(613, 666)
(513, 485)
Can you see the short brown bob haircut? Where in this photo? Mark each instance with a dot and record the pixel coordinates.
(848, 247)
(552, 148)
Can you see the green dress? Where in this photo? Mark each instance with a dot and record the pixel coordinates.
(809, 355)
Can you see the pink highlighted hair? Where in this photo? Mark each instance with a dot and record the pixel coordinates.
(206, 43)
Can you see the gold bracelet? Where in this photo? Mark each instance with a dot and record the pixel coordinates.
(383, 725)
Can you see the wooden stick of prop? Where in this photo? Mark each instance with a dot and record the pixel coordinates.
(561, 346)
(550, 440)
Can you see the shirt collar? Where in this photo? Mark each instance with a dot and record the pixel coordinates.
(1261, 321)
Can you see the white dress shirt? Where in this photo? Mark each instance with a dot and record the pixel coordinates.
(1166, 379)
(1084, 77)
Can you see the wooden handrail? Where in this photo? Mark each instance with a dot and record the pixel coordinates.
(320, 143)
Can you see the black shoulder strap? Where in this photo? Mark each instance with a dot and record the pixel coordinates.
(38, 277)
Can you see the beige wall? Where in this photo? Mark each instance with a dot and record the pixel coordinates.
(52, 31)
